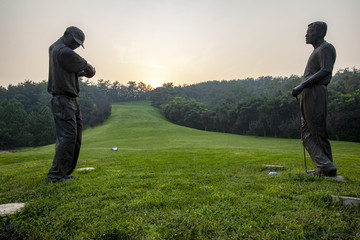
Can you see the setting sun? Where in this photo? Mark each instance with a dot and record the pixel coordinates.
(155, 82)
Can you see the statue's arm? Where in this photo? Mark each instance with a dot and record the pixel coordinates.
(88, 72)
(327, 60)
(312, 80)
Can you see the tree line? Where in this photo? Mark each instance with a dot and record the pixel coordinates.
(25, 114)
(259, 107)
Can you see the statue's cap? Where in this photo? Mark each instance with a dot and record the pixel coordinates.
(77, 34)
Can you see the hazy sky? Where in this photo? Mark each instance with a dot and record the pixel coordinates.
(179, 41)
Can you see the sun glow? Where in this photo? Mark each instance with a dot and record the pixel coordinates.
(155, 82)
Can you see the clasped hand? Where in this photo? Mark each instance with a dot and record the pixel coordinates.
(88, 72)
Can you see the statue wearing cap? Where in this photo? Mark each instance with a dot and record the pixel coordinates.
(65, 68)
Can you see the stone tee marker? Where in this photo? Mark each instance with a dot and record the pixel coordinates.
(346, 201)
(10, 208)
(85, 169)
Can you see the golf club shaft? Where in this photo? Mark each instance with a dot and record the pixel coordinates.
(302, 140)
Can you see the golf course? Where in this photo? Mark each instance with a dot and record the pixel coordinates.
(156, 180)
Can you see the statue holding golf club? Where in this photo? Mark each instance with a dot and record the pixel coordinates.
(314, 99)
(65, 66)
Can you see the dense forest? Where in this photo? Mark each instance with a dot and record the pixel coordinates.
(260, 107)
(25, 115)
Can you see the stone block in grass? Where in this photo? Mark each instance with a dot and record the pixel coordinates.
(10, 208)
(346, 201)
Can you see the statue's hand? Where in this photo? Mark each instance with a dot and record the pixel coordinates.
(89, 71)
(297, 90)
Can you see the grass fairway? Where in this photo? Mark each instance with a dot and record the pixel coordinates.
(171, 182)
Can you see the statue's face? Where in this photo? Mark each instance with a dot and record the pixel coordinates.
(70, 42)
(312, 35)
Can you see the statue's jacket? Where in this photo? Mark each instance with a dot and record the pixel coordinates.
(64, 65)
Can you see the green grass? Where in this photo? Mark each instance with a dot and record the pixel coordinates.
(172, 182)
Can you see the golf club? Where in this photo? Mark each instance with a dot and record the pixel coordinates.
(302, 140)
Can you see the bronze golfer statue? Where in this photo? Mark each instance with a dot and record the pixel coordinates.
(65, 66)
(314, 99)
